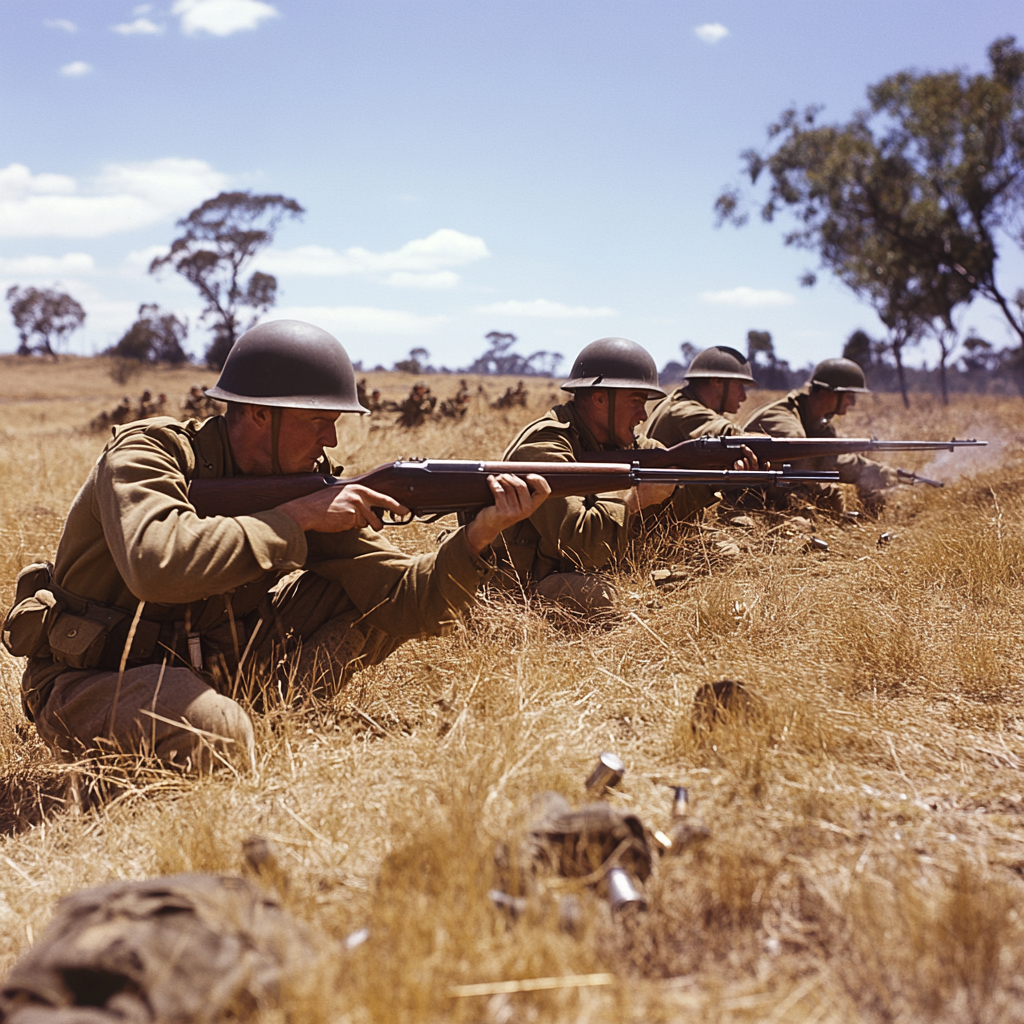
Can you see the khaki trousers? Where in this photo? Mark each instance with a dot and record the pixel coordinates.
(309, 640)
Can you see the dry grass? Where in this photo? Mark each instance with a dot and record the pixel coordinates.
(866, 814)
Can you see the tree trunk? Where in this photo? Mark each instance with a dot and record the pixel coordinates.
(897, 351)
(942, 377)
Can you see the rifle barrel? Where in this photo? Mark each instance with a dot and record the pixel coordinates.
(723, 452)
(431, 487)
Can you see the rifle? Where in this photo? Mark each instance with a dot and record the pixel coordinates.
(431, 488)
(722, 452)
(906, 477)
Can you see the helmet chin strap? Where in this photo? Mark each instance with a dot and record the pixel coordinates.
(275, 436)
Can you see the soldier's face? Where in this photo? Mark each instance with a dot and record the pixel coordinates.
(305, 433)
(735, 395)
(630, 412)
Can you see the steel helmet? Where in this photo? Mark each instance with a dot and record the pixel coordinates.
(288, 364)
(839, 375)
(720, 361)
(615, 363)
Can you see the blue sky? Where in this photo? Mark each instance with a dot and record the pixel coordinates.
(545, 168)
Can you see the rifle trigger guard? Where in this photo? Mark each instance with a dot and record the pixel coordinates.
(388, 517)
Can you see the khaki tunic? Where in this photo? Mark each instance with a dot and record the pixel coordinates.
(683, 416)
(790, 417)
(131, 536)
(571, 534)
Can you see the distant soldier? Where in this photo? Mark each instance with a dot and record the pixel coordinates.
(374, 403)
(715, 386)
(361, 393)
(512, 398)
(194, 404)
(557, 551)
(145, 405)
(455, 408)
(160, 405)
(122, 412)
(417, 407)
(809, 412)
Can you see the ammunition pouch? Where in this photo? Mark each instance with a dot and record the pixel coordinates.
(35, 608)
(49, 622)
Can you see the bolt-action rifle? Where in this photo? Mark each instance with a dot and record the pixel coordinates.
(722, 452)
(431, 488)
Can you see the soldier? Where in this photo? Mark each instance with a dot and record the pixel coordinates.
(146, 627)
(556, 551)
(455, 408)
(374, 403)
(417, 407)
(145, 406)
(809, 412)
(122, 412)
(361, 393)
(715, 385)
(195, 403)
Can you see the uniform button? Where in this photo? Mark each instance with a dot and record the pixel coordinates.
(72, 632)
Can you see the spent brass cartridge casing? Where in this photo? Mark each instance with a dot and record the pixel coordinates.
(622, 892)
(606, 774)
(680, 802)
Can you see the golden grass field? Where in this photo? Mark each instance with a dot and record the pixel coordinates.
(866, 858)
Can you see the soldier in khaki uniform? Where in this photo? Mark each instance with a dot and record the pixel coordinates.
(809, 412)
(154, 620)
(715, 387)
(557, 550)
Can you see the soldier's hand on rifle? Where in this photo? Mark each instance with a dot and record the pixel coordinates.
(749, 461)
(335, 509)
(515, 498)
(647, 494)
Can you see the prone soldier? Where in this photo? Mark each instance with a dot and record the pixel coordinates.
(715, 387)
(809, 412)
(455, 408)
(417, 407)
(556, 552)
(141, 633)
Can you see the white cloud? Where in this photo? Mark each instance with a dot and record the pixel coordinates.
(359, 319)
(748, 297)
(62, 23)
(420, 263)
(76, 69)
(138, 260)
(713, 32)
(547, 309)
(122, 197)
(138, 27)
(442, 279)
(222, 17)
(48, 266)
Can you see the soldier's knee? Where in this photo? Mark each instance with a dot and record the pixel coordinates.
(587, 594)
(223, 730)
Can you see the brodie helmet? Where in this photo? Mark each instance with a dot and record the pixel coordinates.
(616, 363)
(839, 375)
(720, 361)
(289, 364)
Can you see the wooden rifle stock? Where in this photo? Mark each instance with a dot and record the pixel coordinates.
(436, 487)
